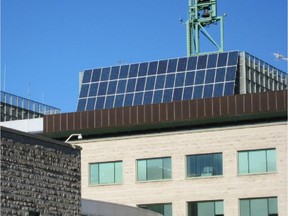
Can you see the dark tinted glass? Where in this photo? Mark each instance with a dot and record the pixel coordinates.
(124, 71)
(140, 84)
(182, 63)
(150, 83)
(128, 99)
(121, 86)
(218, 90)
(189, 78)
(109, 102)
(188, 93)
(143, 69)
(202, 61)
(233, 58)
(133, 70)
(90, 104)
(157, 97)
(220, 75)
(177, 95)
(231, 74)
(114, 73)
(160, 82)
(87, 76)
(167, 95)
(169, 80)
(208, 91)
(138, 98)
(222, 59)
(212, 60)
(131, 85)
(162, 67)
(84, 90)
(119, 101)
(102, 88)
(100, 102)
(179, 79)
(93, 89)
(199, 77)
(105, 74)
(192, 61)
(210, 76)
(172, 65)
(152, 68)
(81, 105)
(148, 97)
(96, 75)
(112, 87)
(229, 88)
(197, 92)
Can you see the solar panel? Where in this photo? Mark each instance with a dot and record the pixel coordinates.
(204, 76)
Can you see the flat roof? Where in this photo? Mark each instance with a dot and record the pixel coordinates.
(209, 111)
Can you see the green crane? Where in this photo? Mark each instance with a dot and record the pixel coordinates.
(202, 14)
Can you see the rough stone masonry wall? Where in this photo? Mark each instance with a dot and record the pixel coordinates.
(38, 176)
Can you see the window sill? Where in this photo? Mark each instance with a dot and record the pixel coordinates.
(153, 181)
(253, 174)
(204, 177)
(108, 184)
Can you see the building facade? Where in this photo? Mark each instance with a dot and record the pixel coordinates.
(39, 176)
(212, 156)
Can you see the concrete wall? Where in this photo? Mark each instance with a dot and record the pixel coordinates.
(179, 190)
(39, 175)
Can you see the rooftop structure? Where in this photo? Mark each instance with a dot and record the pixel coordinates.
(14, 107)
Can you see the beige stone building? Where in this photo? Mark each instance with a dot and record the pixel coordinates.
(219, 156)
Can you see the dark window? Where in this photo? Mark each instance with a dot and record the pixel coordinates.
(109, 102)
(150, 83)
(140, 84)
(167, 95)
(163, 209)
(133, 70)
(177, 95)
(220, 75)
(182, 63)
(160, 82)
(131, 85)
(218, 90)
(169, 80)
(202, 61)
(200, 77)
(162, 67)
(192, 61)
(152, 68)
(105, 74)
(203, 208)
(231, 74)
(114, 73)
(119, 101)
(148, 97)
(172, 65)
(208, 91)
(121, 86)
(222, 60)
(210, 76)
(212, 60)
(128, 99)
(100, 102)
(102, 88)
(112, 87)
(158, 96)
(96, 75)
(179, 79)
(87, 76)
(189, 78)
(229, 88)
(124, 71)
(143, 69)
(84, 90)
(198, 90)
(91, 104)
(188, 93)
(233, 58)
(81, 105)
(138, 99)
(93, 89)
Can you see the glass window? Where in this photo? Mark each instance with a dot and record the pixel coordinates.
(231, 74)
(138, 99)
(157, 98)
(189, 78)
(109, 102)
(133, 70)
(119, 101)
(150, 83)
(84, 90)
(152, 68)
(182, 62)
(100, 102)
(177, 95)
(197, 92)
(204, 165)
(124, 71)
(160, 82)
(208, 91)
(229, 88)
(192, 61)
(105, 173)
(162, 67)
(202, 61)
(112, 87)
(210, 76)
(143, 69)
(164, 209)
(131, 85)
(188, 93)
(154, 169)
(206, 208)
(128, 99)
(81, 105)
(218, 90)
(212, 60)
(259, 207)
(87, 76)
(93, 89)
(167, 95)
(121, 86)
(140, 84)
(179, 79)
(200, 77)
(257, 161)
(96, 75)
(114, 73)
(233, 58)
(222, 60)
(172, 65)
(91, 104)
(105, 74)
(170, 81)
(148, 97)
(220, 75)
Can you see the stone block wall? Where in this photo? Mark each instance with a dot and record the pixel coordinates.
(39, 176)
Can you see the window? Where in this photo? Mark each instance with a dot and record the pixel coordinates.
(257, 161)
(259, 207)
(164, 209)
(105, 173)
(211, 208)
(204, 165)
(154, 169)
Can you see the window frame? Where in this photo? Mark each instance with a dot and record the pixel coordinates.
(259, 198)
(105, 162)
(170, 205)
(249, 165)
(206, 201)
(146, 178)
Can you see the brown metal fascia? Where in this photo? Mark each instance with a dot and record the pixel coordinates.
(168, 113)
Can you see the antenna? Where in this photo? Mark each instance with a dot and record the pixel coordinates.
(203, 13)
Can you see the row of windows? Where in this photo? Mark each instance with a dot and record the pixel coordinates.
(161, 67)
(158, 82)
(249, 162)
(248, 207)
(157, 96)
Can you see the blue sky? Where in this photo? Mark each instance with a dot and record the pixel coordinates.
(46, 43)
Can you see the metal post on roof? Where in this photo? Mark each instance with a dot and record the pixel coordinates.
(203, 13)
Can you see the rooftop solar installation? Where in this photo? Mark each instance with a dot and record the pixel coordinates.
(204, 76)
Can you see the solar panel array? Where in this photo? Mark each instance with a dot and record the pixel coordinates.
(161, 81)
